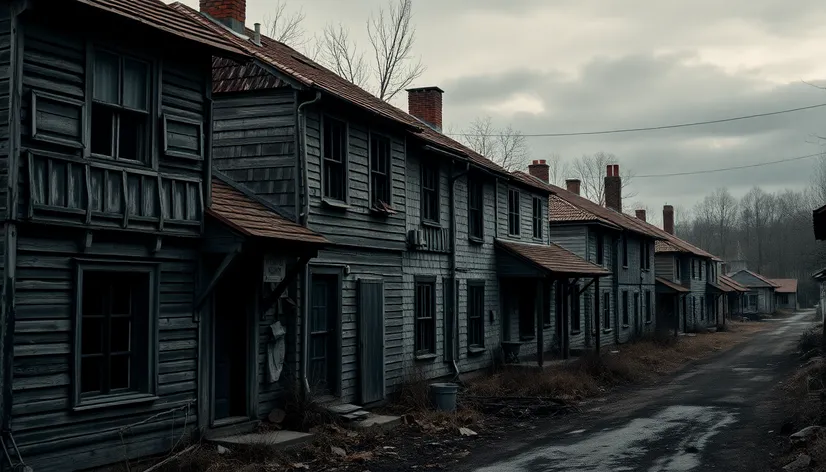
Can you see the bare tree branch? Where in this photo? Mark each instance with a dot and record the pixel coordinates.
(285, 26)
(342, 55)
(590, 170)
(558, 169)
(392, 37)
(506, 147)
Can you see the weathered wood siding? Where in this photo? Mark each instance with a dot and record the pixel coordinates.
(255, 144)
(51, 436)
(526, 197)
(665, 266)
(697, 303)
(575, 239)
(572, 237)
(606, 284)
(5, 110)
(636, 281)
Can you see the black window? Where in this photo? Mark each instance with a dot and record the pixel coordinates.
(643, 254)
(430, 192)
(334, 159)
(476, 314)
(120, 108)
(701, 264)
(600, 249)
(625, 308)
(425, 309)
(114, 333)
(476, 209)
(648, 307)
(576, 316)
(606, 310)
(537, 218)
(784, 298)
(636, 308)
(625, 251)
(693, 273)
(702, 308)
(513, 212)
(381, 182)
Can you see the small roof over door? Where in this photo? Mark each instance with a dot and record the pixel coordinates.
(533, 260)
(667, 286)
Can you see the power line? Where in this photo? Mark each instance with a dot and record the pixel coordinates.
(748, 166)
(651, 128)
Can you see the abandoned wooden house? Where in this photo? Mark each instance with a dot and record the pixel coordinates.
(735, 296)
(760, 300)
(785, 294)
(606, 237)
(119, 334)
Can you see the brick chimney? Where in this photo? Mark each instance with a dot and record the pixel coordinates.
(573, 185)
(425, 103)
(668, 219)
(232, 13)
(541, 170)
(640, 214)
(613, 188)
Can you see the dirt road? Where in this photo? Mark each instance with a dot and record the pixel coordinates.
(721, 414)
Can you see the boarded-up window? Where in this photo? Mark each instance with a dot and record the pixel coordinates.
(56, 119)
(476, 314)
(537, 218)
(182, 137)
(334, 159)
(513, 212)
(425, 311)
(120, 108)
(380, 172)
(430, 192)
(475, 200)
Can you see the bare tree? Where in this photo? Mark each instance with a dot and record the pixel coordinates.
(341, 54)
(506, 146)
(723, 212)
(817, 184)
(590, 170)
(392, 36)
(285, 26)
(558, 169)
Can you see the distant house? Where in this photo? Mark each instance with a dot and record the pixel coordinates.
(761, 296)
(820, 277)
(786, 294)
(735, 298)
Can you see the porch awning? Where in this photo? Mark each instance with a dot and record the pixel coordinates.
(667, 286)
(711, 287)
(249, 216)
(549, 259)
(732, 284)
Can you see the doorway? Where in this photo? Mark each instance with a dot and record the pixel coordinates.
(231, 343)
(325, 290)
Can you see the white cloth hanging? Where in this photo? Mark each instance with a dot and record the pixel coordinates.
(275, 352)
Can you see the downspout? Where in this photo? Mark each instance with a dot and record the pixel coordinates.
(303, 219)
(453, 267)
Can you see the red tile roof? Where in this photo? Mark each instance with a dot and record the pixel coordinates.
(160, 16)
(728, 281)
(673, 286)
(309, 73)
(252, 218)
(553, 258)
(671, 243)
(785, 285)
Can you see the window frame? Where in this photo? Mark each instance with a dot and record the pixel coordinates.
(67, 101)
(373, 135)
(479, 317)
(93, 49)
(476, 187)
(426, 166)
(417, 320)
(81, 401)
(575, 310)
(345, 161)
(625, 314)
(600, 256)
(514, 217)
(702, 307)
(693, 271)
(637, 311)
(536, 218)
(648, 310)
(169, 117)
(606, 310)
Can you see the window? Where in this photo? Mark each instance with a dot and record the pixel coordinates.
(334, 159)
(381, 182)
(648, 307)
(636, 308)
(120, 108)
(783, 298)
(537, 218)
(606, 310)
(425, 308)
(702, 308)
(693, 273)
(430, 192)
(625, 308)
(701, 264)
(513, 212)
(600, 250)
(114, 333)
(476, 209)
(645, 256)
(625, 251)
(576, 315)
(476, 314)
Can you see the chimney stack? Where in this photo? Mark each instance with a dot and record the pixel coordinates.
(573, 185)
(668, 219)
(541, 170)
(232, 13)
(640, 214)
(613, 188)
(425, 103)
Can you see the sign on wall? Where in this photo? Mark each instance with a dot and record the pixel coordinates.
(275, 268)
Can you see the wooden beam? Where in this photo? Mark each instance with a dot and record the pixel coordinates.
(88, 238)
(158, 244)
(216, 277)
(585, 287)
(289, 275)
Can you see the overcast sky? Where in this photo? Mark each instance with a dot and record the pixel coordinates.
(581, 65)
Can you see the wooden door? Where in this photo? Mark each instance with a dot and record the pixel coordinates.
(323, 351)
(371, 340)
(230, 351)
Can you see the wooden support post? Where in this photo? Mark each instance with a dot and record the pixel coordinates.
(289, 275)
(565, 286)
(540, 332)
(216, 277)
(597, 324)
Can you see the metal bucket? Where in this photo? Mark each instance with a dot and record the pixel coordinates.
(443, 396)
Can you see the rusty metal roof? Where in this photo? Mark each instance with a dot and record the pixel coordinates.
(553, 259)
(785, 285)
(250, 217)
(161, 16)
(671, 285)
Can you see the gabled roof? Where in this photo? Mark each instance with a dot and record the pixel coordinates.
(581, 209)
(785, 285)
(671, 285)
(553, 259)
(756, 276)
(250, 217)
(308, 73)
(731, 283)
(671, 243)
(158, 15)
